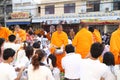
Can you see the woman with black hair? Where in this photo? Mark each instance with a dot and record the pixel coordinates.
(55, 70)
(38, 70)
(109, 60)
(1, 48)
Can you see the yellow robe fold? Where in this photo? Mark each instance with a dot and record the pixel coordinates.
(115, 45)
(22, 34)
(5, 32)
(58, 40)
(97, 36)
(82, 42)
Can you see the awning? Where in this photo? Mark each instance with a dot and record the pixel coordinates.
(15, 23)
(18, 21)
(56, 20)
(103, 22)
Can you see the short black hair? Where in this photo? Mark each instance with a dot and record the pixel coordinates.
(69, 48)
(36, 45)
(30, 33)
(96, 49)
(9, 52)
(29, 51)
(91, 29)
(109, 59)
(53, 58)
(12, 38)
(2, 40)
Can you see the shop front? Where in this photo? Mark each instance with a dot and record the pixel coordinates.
(19, 18)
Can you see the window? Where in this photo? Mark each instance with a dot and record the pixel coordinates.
(69, 8)
(49, 9)
(116, 5)
(9, 9)
(18, 4)
(93, 6)
(1, 9)
(27, 4)
(39, 9)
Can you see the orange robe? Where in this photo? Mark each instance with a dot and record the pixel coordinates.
(22, 34)
(97, 36)
(5, 32)
(59, 39)
(115, 45)
(82, 42)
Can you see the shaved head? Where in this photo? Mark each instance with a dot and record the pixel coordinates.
(59, 28)
(17, 28)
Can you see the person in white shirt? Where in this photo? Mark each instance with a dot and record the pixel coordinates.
(44, 41)
(106, 48)
(7, 72)
(55, 69)
(11, 43)
(29, 53)
(26, 61)
(109, 60)
(71, 63)
(91, 68)
(37, 70)
(36, 46)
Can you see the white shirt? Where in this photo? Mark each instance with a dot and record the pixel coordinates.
(117, 71)
(56, 73)
(7, 72)
(94, 70)
(106, 49)
(69, 41)
(11, 45)
(44, 41)
(71, 65)
(43, 73)
(47, 50)
(21, 59)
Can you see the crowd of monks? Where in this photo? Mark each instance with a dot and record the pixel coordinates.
(82, 41)
(5, 32)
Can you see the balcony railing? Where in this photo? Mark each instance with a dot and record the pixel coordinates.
(8, 2)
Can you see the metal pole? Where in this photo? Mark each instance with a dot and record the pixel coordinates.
(5, 13)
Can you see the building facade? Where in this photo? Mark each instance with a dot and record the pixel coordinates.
(73, 11)
(5, 10)
(23, 11)
(67, 12)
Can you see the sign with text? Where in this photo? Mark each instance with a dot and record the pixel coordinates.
(20, 15)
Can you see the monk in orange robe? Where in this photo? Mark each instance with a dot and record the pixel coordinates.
(20, 34)
(83, 41)
(115, 45)
(96, 34)
(59, 39)
(4, 32)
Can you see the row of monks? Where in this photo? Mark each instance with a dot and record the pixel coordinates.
(5, 32)
(82, 41)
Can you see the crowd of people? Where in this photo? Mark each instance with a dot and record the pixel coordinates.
(38, 55)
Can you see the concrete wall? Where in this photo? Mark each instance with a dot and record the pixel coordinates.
(59, 9)
(25, 6)
(106, 4)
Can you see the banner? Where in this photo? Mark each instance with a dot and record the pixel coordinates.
(20, 15)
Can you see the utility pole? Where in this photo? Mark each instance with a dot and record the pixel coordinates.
(4, 5)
